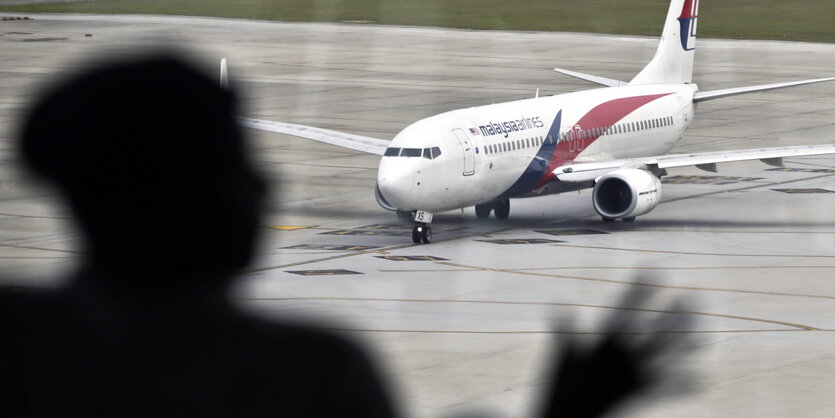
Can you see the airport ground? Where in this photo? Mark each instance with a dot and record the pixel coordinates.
(467, 322)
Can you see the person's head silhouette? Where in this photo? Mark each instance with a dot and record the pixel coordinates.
(150, 158)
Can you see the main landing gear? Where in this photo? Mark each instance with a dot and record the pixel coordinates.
(501, 208)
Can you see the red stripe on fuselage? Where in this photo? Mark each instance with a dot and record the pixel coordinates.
(601, 116)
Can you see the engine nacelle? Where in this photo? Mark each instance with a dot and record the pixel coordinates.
(626, 193)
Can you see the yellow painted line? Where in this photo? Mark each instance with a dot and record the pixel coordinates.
(291, 227)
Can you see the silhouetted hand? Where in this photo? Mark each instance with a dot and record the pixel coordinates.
(590, 380)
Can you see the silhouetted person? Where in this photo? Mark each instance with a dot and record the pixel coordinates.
(150, 159)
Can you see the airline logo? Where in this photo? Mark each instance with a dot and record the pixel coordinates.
(687, 20)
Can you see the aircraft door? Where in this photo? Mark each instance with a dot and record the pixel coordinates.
(468, 149)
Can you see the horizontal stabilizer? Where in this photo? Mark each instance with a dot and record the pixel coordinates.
(593, 78)
(340, 139)
(715, 94)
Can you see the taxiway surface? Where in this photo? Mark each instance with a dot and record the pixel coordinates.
(467, 322)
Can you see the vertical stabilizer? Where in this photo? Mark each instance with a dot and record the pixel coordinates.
(673, 62)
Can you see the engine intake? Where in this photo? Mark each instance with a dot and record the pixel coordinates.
(626, 193)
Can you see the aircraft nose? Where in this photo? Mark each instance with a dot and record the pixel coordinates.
(396, 189)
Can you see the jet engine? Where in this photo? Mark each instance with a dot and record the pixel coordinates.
(626, 193)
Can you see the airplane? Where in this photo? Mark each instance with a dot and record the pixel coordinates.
(611, 139)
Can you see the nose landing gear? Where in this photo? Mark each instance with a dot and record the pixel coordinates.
(422, 234)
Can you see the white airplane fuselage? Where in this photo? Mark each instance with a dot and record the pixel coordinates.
(510, 150)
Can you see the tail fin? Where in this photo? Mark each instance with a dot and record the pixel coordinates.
(673, 62)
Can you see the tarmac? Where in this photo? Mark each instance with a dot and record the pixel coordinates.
(468, 323)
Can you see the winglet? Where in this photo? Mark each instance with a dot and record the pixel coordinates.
(224, 75)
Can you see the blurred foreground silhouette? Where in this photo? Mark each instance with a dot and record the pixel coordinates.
(150, 159)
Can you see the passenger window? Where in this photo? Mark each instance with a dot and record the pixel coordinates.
(392, 152)
(411, 152)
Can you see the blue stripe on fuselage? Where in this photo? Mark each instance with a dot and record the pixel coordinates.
(539, 165)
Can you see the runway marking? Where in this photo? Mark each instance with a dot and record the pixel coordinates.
(520, 241)
(718, 180)
(371, 232)
(411, 258)
(330, 247)
(802, 170)
(570, 232)
(638, 250)
(629, 283)
(804, 191)
(558, 304)
(335, 272)
(290, 227)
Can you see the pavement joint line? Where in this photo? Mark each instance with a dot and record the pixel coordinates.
(421, 331)
(14, 215)
(728, 231)
(537, 303)
(619, 268)
(41, 249)
(629, 283)
(638, 250)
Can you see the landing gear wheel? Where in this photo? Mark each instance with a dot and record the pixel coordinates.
(607, 219)
(416, 235)
(629, 219)
(483, 211)
(426, 235)
(502, 209)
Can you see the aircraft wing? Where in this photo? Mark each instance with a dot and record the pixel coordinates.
(701, 96)
(589, 171)
(355, 142)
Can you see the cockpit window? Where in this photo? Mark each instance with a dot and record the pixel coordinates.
(411, 152)
(428, 153)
